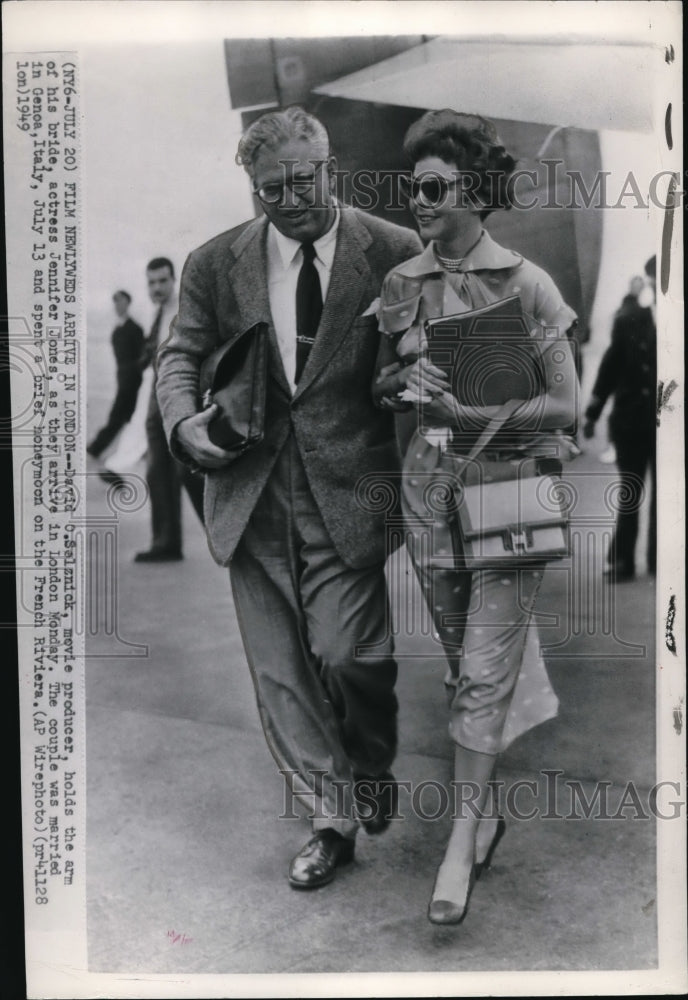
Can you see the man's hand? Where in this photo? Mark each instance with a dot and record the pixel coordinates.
(192, 434)
(395, 404)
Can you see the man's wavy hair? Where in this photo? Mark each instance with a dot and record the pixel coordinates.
(471, 142)
(275, 127)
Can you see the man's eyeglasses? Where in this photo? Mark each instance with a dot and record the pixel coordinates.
(273, 194)
(433, 188)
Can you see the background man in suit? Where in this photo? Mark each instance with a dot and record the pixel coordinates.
(628, 371)
(164, 474)
(127, 345)
(307, 561)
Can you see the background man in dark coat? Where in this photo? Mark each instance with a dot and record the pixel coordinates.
(628, 371)
(127, 345)
(307, 560)
(164, 474)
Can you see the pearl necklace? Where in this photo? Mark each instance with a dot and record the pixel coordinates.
(449, 263)
(454, 263)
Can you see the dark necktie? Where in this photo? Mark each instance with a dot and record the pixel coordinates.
(150, 345)
(309, 307)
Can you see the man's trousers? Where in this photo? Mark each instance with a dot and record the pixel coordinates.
(319, 645)
(124, 404)
(165, 476)
(634, 456)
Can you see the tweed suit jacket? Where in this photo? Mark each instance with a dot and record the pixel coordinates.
(340, 435)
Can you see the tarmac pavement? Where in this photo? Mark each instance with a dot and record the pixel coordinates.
(184, 798)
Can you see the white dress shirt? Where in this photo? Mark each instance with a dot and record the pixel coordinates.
(284, 263)
(169, 311)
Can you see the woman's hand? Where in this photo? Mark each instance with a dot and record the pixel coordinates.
(424, 380)
(397, 387)
(447, 410)
(442, 407)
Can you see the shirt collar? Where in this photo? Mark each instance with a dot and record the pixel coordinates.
(486, 255)
(171, 304)
(324, 247)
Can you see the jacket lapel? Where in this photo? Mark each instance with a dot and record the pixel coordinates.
(348, 281)
(248, 279)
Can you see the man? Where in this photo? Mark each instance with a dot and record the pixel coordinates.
(636, 287)
(306, 561)
(164, 474)
(127, 344)
(628, 371)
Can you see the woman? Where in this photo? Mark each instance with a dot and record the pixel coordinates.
(460, 174)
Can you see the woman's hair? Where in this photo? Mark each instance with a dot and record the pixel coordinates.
(471, 142)
(272, 129)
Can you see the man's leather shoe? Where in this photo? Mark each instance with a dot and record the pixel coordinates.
(619, 573)
(376, 801)
(113, 479)
(316, 863)
(158, 555)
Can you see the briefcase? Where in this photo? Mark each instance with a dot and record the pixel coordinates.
(513, 522)
(234, 377)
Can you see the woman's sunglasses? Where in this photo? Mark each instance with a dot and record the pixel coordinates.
(433, 188)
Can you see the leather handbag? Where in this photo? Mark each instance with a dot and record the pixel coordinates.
(511, 522)
(234, 377)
